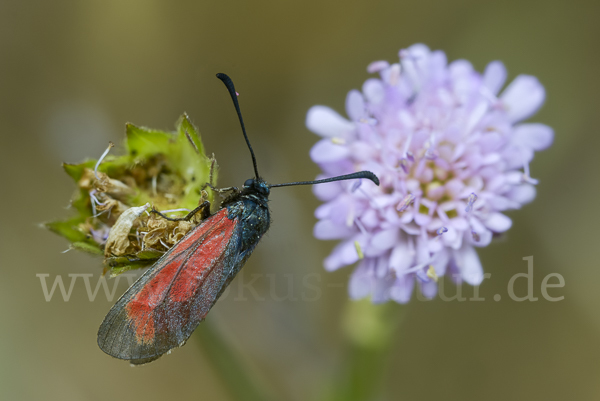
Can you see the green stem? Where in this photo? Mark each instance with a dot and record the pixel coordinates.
(238, 380)
(370, 336)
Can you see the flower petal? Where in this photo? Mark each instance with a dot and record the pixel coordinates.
(374, 90)
(497, 222)
(523, 97)
(480, 236)
(360, 283)
(494, 76)
(355, 105)
(323, 211)
(385, 239)
(377, 66)
(380, 290)
(535, 136)
(343, 255)
(440, 262)
(401, 257)
(326, 229)
(381, 282)
(522, 194)
(429, 289)
(402, 289)
(516, 156)
(324, 121)
(468, 265)
(326, 151)
(327, 191)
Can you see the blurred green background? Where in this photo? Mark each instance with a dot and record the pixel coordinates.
(73, 72)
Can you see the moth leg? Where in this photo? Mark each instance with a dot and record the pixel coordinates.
(220, 190)
(204, 209)
(210, 180)
(210, 183)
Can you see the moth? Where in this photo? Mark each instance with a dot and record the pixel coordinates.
(161, 310)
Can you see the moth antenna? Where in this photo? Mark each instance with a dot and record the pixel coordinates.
(229, 84)
(361, 174)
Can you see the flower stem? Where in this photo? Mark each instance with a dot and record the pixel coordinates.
(238, 380)
(370, 336)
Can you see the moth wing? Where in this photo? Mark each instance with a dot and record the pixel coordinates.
(162, 308)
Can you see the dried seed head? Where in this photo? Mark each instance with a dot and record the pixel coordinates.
(118, 239)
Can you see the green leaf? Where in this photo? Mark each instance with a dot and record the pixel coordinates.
(68, 228)
(75, 171)
(143, 143)
(194, 168)
(86, 247)
(148, 254)
(185, 125)
(121, 264)
(123, 267)
(81, 202)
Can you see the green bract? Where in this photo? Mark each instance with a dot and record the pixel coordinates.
(161, 169)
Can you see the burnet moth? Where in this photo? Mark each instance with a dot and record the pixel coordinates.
(161, 310)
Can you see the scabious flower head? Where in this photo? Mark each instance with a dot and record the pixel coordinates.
(164, 169)
(452, 155)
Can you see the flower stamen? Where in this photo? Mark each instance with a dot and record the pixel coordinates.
(470, 200)
(359, 251)
(404, 165)
(432, 274)
(368, 121)
(110, 145)
(405, 203)
(431, 154)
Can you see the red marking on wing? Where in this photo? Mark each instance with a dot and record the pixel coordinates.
(181, 273)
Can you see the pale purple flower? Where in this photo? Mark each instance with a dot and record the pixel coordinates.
(451, 153)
